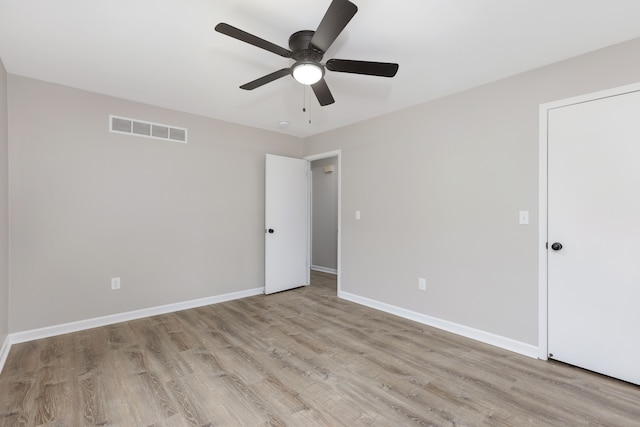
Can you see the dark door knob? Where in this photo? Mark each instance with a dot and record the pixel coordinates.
(556, 246)
(271, 231)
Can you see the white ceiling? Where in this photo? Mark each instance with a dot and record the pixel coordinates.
(166, 52)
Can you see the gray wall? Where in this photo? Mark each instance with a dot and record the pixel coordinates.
(324, 250)
(175, 222)
(4, 208)
(440, 186)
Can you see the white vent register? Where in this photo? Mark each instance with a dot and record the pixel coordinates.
(136, 127)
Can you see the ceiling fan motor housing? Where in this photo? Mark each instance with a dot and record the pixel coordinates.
(303, 53)
(301, 50)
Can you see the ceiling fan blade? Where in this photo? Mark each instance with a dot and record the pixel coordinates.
(335, 19)
(237, 33)
(266, 79)
(382, 69)
(323, 93)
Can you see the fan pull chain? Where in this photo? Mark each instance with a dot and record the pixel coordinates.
(305, 100)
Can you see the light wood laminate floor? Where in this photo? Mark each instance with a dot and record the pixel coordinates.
(297, 358)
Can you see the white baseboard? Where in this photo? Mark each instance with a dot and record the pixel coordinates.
(50, 331)
(4, 351)
(81, 325)
(465, 331)
(324, 269)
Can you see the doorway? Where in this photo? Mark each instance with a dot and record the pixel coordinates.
(325, 224)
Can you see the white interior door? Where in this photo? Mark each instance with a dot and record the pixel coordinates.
(594, 213)
(286, 223)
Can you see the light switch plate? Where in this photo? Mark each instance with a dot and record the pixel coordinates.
(524, 217)
(357, 215)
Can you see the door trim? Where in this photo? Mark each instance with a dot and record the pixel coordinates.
(338, 154)
(543, 208)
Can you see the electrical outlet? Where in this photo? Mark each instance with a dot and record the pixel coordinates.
(422, 284)
(115, 283)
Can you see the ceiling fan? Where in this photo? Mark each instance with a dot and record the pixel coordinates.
(307, 49)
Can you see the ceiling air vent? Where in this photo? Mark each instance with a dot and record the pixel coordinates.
(119, 124)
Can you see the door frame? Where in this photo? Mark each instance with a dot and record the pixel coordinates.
(543, 208)
(311, 158)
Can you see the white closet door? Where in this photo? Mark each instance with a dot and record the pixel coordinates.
(594, 213)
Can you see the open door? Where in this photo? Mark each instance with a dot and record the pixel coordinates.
(286, 223)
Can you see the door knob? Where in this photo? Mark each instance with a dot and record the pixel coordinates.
(556, 246)
(271, 231)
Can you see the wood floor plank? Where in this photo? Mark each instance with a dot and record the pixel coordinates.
(156, 349)
(296, 358)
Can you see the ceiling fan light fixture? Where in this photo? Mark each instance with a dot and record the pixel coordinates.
(307, 73)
